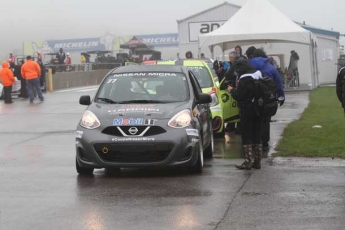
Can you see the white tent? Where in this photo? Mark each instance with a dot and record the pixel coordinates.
(259, 22)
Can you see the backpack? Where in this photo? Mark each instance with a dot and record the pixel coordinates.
(266, 99)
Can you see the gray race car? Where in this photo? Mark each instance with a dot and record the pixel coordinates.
(145, 116)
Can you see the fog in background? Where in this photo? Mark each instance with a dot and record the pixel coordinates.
(37, 20)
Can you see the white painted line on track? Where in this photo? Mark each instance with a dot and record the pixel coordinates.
(78, 89)
(87, 90)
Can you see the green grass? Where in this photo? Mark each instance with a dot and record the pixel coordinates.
(301, 140)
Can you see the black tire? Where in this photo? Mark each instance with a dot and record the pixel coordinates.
(82, 170)
(2, 95)
(208, 153)
(198, 167)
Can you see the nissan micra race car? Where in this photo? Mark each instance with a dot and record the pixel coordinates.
(145, 116)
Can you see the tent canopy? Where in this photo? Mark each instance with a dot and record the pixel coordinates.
(134, 43)
(258, 21)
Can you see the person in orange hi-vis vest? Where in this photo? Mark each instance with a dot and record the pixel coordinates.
(31, 72)
(7, 78)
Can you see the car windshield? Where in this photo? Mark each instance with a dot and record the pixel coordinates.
(143, 87)
(203, 76)
(210, 65)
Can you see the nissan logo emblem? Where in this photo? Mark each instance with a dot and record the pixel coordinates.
(133, 130)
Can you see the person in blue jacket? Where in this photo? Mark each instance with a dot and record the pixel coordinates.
(261, 62)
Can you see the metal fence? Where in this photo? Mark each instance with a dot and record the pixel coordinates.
(81, 67)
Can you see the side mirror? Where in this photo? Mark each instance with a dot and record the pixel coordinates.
(85, 100)
(204, 98)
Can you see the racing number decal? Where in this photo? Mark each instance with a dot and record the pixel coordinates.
(225, 97)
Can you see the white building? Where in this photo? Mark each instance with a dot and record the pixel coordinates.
(206, 21)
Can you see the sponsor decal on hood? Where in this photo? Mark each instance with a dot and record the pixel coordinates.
(133, 121)
(134, 108)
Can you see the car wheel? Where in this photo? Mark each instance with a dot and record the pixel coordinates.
(210, 148)
(197, 168)
(2, 95)
(220, 134)
(83, 170)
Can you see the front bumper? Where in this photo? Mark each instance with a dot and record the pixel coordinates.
(97, 150)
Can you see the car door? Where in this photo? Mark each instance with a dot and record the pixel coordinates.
(229, 105)
(202, 111)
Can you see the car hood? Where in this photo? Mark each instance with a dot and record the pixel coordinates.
(145, 111)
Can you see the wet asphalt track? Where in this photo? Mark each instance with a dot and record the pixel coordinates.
(40, 189)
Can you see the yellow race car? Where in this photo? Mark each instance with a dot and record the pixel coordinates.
(223, 107)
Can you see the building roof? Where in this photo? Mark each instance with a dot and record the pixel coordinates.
(212, 8)
(316, 30)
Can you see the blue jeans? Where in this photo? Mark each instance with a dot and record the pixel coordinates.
(31, 84)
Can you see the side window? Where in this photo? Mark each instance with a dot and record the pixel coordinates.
(195, 84)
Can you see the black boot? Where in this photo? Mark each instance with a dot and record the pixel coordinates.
(248, 158)
(257, 150)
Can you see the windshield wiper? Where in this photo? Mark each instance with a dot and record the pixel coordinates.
(106, 100)
(141, 101)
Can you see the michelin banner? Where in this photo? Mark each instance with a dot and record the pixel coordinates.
(108, 42)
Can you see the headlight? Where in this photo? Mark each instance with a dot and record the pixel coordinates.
(181, 120)
(89, 120)
(214, 100)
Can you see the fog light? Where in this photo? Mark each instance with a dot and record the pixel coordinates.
(105, 150)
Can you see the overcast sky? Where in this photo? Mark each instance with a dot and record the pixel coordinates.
(36, 20)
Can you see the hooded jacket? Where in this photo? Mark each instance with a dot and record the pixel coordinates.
(30, 70)
(6, 75)
(245, 92)
(263, 64)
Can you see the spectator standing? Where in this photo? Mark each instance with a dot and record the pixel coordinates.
(293, 65)
(43, 76)
(250, 52)
(7, 78)
(61, 56)
(31, 71)
(18, 74)
(261, 62)
(238, 49)
(39, 57)
(68, 62)
(218, 67)
(189, 55)
(250, 121)
(82, 59)
(12, 59)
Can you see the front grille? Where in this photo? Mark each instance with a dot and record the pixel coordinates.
(114, 131)
(129, 153)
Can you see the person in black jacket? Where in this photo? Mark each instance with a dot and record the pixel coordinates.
(340, 83)
(238, 49)
(250, 121)
(43, 76)
(218, 67)
(18, 74)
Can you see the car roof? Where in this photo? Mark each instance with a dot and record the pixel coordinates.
(148, 68)
(184, 62)
(207, 60)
